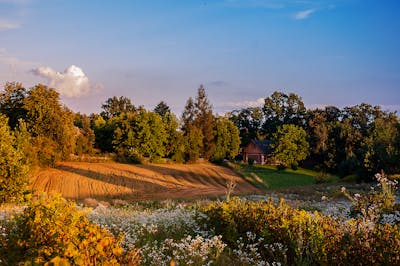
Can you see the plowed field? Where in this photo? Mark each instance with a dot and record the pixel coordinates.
(78, 180)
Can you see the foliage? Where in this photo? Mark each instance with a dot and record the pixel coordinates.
(115, 106)
(140, 134)
(13, 165)
(12, 102)
(52, 231)
(49, 123)
(290, 145)
(193, 140)
(174, 147)
(85, 139)
(306, 238)
(249, 121)
(280, 109)
(227, 140)
(104, 132)
(204, 120)
(162, 109)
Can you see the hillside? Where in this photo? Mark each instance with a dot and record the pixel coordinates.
(108, 180)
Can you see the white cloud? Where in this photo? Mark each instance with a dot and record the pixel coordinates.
(8, 25)
(304, 14)
(71, 83)
(244, 104)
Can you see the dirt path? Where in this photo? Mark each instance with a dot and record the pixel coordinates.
(154, 181)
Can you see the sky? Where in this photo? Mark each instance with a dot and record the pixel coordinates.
(329, 52)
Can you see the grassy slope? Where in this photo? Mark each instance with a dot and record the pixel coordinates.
(108, 180)
(268, 177)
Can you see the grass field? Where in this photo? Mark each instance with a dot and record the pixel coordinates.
(268, 177)
(109, 180)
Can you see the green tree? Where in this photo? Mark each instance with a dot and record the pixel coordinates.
(290, 145)
(12, 102)
(382, 146)
(115, 106)
(140, 134)
(249, 121)
(103, 132)
(50, 124)
(227, 140)
(322, 145)
(280, 109)
(13, 167)
(188, 115)
(193, 142)
(162, 109)
(85, 138)
(205, 120)
(173, 137)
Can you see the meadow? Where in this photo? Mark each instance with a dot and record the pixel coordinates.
(336, 226)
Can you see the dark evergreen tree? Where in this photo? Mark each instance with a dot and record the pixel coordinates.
(162, 109)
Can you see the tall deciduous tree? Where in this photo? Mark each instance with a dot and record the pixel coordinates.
(115, 106)
(50, 124)
(193, 141)
(13, 167)
(227, 140)
(85, 139)
(188, 115)
(140, 134)
(290, 145)
(205, 122)
(249, 121)
(12, 102)
(280, 109)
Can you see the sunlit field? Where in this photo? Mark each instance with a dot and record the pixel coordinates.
(358, 227)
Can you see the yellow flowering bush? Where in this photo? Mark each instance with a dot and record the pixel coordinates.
(52, 231)
(306, 238)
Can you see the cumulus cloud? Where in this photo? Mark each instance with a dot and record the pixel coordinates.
(304, 14)
(71, 83)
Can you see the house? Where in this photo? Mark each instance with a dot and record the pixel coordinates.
(258, 150)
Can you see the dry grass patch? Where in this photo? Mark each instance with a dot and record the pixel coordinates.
(109, 180)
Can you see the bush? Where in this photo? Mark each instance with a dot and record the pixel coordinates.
(250, 161)
(304, 238)
(281, 167)
(52, 230)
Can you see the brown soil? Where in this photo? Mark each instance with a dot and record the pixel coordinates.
(79, 180)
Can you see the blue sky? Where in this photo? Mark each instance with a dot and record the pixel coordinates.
(339, 52)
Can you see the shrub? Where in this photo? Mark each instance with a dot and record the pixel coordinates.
(250, 161)
(281, 167)
(52, 230)
(303, 238)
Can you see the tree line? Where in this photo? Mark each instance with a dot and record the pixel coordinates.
(361, 139)
(37, 129)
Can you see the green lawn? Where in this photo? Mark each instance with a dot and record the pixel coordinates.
(268, 177)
